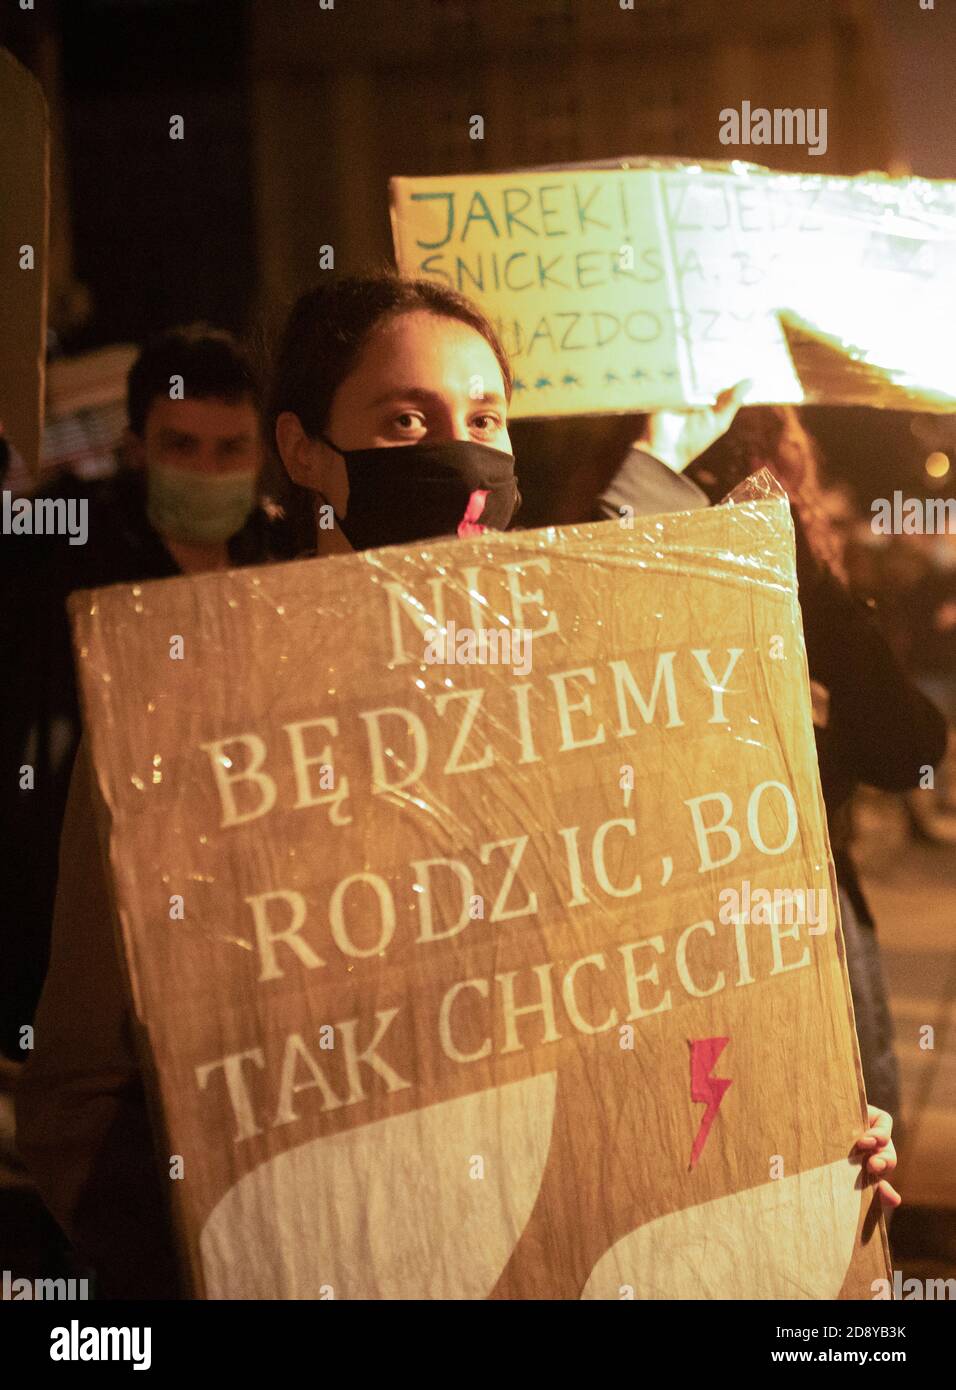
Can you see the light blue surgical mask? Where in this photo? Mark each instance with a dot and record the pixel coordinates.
(204, 508)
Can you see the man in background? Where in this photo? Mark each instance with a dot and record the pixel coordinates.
(186, 501)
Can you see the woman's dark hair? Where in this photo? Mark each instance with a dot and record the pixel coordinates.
(329, 326)
(754, 441)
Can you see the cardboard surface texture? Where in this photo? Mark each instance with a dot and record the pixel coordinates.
(658, 283)
(24, 216)
(455, 1003)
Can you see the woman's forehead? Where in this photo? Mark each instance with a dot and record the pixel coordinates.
(422, 351)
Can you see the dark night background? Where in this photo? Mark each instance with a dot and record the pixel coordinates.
(295, 117)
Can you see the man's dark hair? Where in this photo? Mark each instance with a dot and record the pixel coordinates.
(210, 361)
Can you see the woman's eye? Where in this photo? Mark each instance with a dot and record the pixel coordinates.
(486, 424)
(408, 421)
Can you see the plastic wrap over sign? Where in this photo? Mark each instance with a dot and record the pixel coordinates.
(644, 283)
(478, 909)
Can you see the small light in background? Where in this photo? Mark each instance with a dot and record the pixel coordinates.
(937, 465)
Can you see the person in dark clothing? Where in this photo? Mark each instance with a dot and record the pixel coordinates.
(872, 724)
(187, 503)
(932, 650)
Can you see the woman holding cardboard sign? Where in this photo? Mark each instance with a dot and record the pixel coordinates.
(343, 371)
(390, 408)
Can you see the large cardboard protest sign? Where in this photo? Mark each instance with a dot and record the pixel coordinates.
(634, 288)
(24, 214)
(517, 976)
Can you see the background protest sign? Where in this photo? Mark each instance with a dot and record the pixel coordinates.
(468, 979)
(628, 289)
(24, 212)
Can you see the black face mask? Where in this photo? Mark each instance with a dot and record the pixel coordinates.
(418, 492)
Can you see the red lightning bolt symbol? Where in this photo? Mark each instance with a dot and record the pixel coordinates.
(706, 1088)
